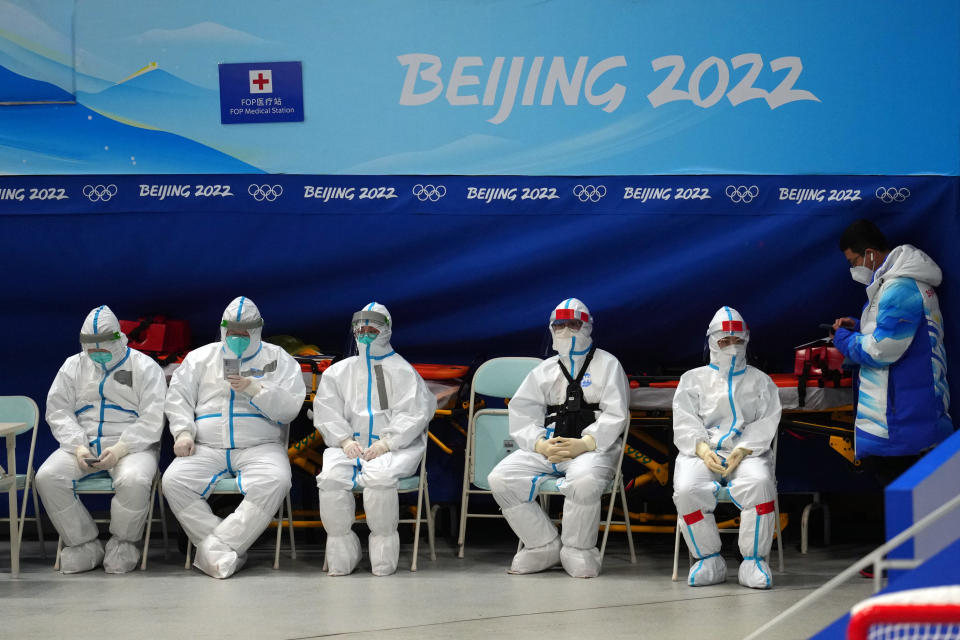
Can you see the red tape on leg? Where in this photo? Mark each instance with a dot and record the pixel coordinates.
(764, 508)
(693, 517)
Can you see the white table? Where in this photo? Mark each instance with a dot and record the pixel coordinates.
(9, 431)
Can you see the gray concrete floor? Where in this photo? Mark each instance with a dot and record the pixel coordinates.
(449, 598)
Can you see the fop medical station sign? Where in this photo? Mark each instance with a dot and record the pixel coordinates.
(261, 92)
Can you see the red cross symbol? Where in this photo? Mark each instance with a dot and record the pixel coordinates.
(260, 81)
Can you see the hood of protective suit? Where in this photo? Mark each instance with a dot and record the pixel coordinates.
(101, 330)
(242, 314)
(727, 321)
(572, 346)
(381, 345)
(906, 261)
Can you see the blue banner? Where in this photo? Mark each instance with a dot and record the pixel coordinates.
(472, 195)
(261, 92)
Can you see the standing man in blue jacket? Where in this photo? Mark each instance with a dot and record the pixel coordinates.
(903, 401)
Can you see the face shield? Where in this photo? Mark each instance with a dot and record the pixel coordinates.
(369, 331)
(236, 334)
(101, 339)
(727, 339)
(98, 345)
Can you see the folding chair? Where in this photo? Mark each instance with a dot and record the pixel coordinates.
(410, 484)
(488, 431)
(21, 409)
(723, 496)
(101, 483)
(549, 488)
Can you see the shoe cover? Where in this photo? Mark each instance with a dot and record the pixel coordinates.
(216, 559)
(580, 563)
(120, 556)
(755, 573)
(342, 554)
(337, 509)
(383, 513)
(534, 559)
(82, 557)
(710, 570)
(384, 553)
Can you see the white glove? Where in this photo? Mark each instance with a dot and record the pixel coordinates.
(570, 448)
(734, 459)
(184, 445)
(246, 386)
(709, 457)
(545, 447)
(351, 448)
(376, 450)
(111, 456)
(81, 453)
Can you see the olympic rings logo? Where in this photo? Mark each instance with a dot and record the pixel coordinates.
(589, 193)
(892, 194)
(742, 193)
(424, 192)
(261, 192)
(99, 193)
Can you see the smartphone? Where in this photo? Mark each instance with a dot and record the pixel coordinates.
(91, 461)
(231, 367)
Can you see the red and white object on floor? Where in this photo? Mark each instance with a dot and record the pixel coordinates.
(915, 614)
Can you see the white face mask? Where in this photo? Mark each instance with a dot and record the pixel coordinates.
(863, 274)
(725, 357)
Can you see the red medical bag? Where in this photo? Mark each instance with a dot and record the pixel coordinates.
(161, 338)
(815, 362)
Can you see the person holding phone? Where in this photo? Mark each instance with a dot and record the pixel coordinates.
(105, 408)
(229, 406)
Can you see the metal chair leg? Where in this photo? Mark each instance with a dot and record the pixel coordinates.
(149, 528)
(676, 552)
(626, 521)
(293, 542)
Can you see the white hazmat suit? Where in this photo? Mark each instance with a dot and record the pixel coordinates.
(587, 462)
(373, 410)
(112, 410)
(726, 412)
(236, 433)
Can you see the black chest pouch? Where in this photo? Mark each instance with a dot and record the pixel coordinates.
(575, 414)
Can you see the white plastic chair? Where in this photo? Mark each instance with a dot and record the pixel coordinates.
(488, 431)
(21, 409)
(410, 484)
(723, 496)
(102, 484)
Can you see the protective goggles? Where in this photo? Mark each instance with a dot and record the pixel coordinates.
(242, 325)
(566, 324)
(726, 341)
(369, 317)
(103, 336)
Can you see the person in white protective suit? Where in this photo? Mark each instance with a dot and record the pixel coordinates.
(567, 420)
(725, 416)
(105, 408)
(373, 410)
(232, 426)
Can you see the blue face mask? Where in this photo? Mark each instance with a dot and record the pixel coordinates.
(366, 338)
(238, 344)
(100, 357)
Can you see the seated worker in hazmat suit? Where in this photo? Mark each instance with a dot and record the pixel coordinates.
(567, 419)
(725, 416)
(372, 410)
(229, 405)
(105, 408)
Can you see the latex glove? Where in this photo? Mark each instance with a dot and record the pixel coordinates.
(844, 323)
(570, 448)
(709, 457)
(81, 453)
(246, 386)
(376, 450)
(111, 456)
(734, 459)
(549, 449)
(184, 445)
(351, 448)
